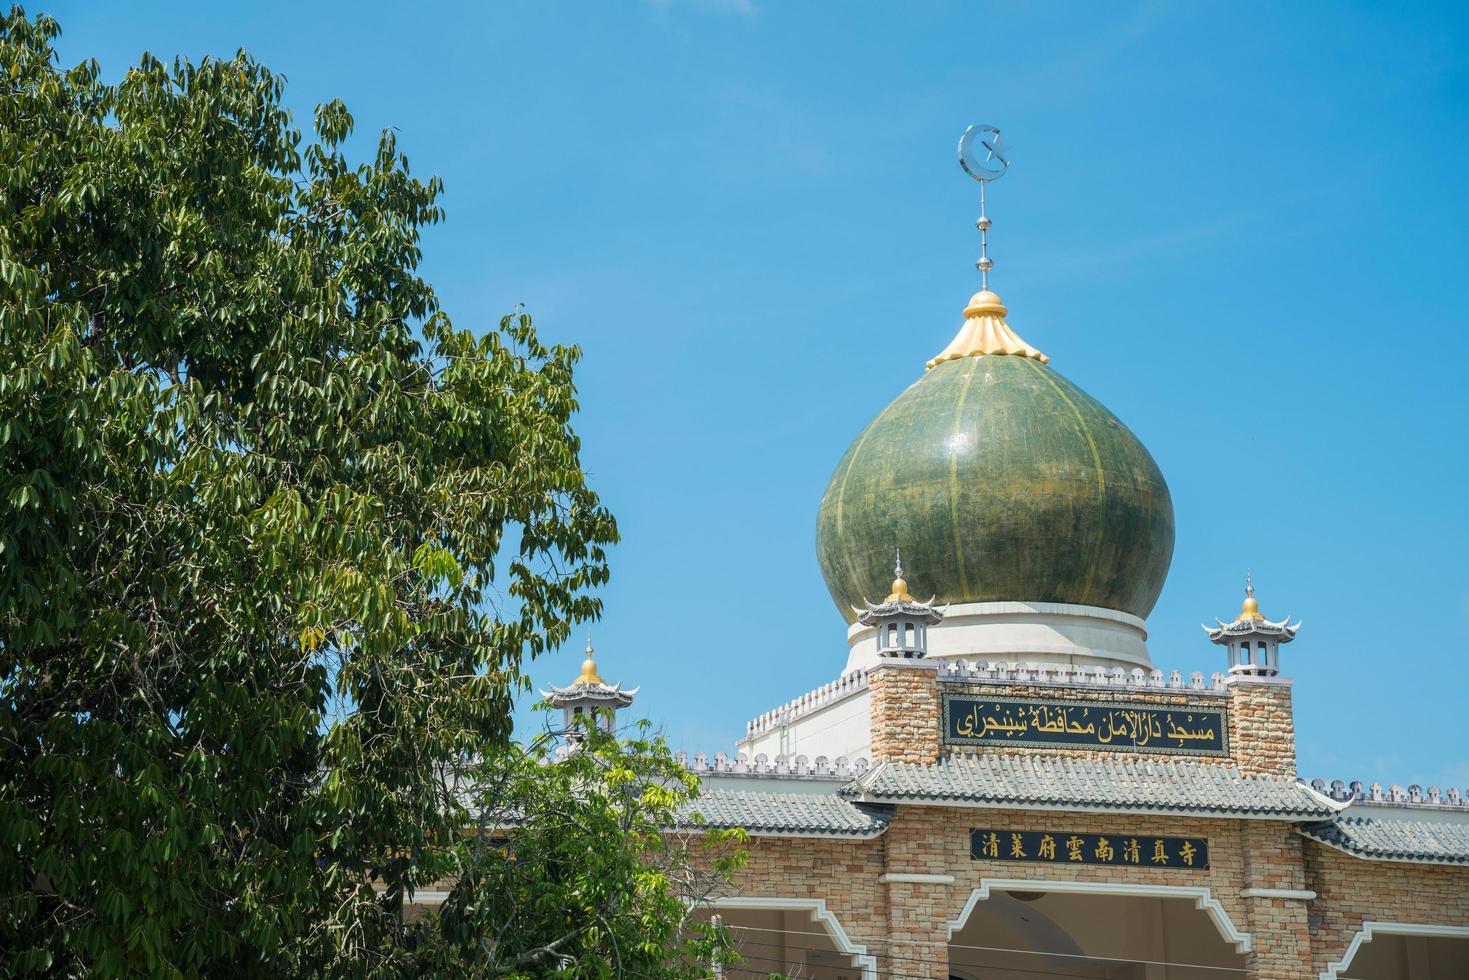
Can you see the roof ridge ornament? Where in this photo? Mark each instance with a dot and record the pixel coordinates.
(899, 592)
(589, 673)
(985, 330)
(1250, 608)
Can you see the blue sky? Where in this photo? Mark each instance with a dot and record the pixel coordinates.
(1240, 226)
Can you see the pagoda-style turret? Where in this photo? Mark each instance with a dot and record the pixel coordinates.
(1252, 640)
(590, 698)
(900, 622)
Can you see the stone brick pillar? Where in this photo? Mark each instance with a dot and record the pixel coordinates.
(917, 946)
(905, 711)
(1276, 902)
(1262, 730)
(920, 894)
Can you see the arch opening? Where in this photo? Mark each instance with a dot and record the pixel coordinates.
(792, 937)
(1019, 930)
(1398, 951)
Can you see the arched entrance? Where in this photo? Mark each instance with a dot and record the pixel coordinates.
(791, 936)
(1026, 930)
(1399, 951)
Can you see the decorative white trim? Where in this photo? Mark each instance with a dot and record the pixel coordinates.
(917, 879)
(1269, 680)
(819, 913)
(904, 663)
(1202, 898)
(1390, 929)
(428, 896)
(1299, 894)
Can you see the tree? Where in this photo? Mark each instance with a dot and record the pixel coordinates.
(601, 840)
(275, 536)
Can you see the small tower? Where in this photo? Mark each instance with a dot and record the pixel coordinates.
(590, 697)
(1252, 640)
(900, 622)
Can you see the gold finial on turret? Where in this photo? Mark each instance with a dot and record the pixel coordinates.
(589, 673)
(1250, 608)
(900, 586)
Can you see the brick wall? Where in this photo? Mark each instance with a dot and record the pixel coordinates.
(907, 922)
(842, 873)
(1272, 858)
(1262, 730)
(1350, 891)
(905, 711)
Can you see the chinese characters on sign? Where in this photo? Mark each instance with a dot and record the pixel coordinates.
(1064, 847)
(1024, 722)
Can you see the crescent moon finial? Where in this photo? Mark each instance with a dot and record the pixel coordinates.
(991, 166)
(996, 159)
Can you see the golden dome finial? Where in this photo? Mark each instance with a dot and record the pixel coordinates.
(589, 673)
(900, 587)
(986, 332)
(1250, 608)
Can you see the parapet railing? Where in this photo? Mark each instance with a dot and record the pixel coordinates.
(1137, 679)
(1414, 795)
(782, 765)
(842, 687)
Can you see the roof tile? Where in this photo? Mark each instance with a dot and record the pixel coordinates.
(765, 812)
(1440, 841)
(1129, 785)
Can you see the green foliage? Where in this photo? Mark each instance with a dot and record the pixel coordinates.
(275, 537)
(572, 871)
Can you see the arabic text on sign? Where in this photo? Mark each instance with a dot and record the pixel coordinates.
(1095, 724)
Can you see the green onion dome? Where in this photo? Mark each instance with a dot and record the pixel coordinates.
(1000, 480)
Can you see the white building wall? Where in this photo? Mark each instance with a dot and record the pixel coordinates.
(835, 729)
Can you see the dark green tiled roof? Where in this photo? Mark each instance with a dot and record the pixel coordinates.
(1118, 785)
(1431, 839)
(767, 812)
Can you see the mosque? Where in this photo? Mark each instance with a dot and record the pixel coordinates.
(999, 784)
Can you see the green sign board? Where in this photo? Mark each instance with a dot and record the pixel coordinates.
(1102, 725)
(1064, 847)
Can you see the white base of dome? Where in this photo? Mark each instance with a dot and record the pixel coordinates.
(1024, 632)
